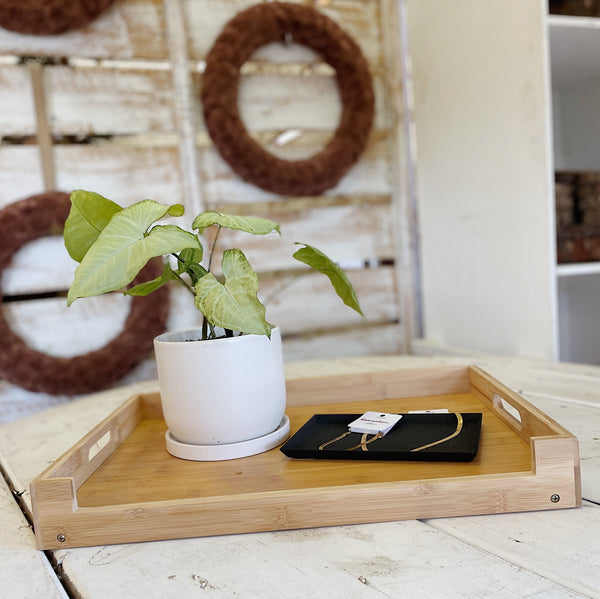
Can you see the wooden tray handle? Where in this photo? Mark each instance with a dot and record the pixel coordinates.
(86, 456)
(102, 445)
(510, 413)
(522, 416)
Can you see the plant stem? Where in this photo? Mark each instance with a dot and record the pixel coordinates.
(212, 248)
(188, 287)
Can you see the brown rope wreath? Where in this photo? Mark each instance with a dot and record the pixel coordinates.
(49, 17)
(277, 21)
(42, 215)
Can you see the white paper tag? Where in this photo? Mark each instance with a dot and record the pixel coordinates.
(438, 411)
(374, 422)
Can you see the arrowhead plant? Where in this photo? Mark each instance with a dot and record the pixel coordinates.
(112, 244)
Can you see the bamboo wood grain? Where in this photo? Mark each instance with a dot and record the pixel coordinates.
(157, 476)
(135, 491)
(532, 422)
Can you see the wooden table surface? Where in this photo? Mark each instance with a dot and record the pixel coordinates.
(544, 554)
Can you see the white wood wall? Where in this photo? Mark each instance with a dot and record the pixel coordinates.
(115, 108)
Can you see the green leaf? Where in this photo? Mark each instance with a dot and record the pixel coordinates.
(342, 285)
(248, 224)
(89, 214)
(149, 286)
(187, 257)
(196, 272)
(124, 246)
(176, 210)
(234, 304)
(188, 262)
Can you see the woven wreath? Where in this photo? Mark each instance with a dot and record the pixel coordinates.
(39, 216)
(49, 17)
(277, 21)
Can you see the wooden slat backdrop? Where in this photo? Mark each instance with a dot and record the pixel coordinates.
(115, 108)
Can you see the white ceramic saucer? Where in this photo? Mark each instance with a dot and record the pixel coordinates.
(228, 451)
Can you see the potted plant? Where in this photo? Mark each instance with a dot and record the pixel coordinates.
(222, 385)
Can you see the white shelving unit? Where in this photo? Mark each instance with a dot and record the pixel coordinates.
(504, 95)
(577, 269)
(574, 44)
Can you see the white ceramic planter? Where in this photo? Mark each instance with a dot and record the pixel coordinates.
(221, 392)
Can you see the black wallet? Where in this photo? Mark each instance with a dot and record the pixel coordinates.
(447, 437)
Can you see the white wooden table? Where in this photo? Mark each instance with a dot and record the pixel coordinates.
(545, 554)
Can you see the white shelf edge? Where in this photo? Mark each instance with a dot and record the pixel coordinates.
(575, 22)
(575, 269)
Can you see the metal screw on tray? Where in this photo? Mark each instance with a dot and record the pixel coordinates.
(555, 498)
(61, 538)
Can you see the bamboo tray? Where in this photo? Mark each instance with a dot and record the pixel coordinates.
(118, 484)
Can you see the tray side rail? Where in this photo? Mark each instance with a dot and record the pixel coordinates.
(309, 508)
(520, 415)
(554, 450)
(371, 386)
(88, 454)
(53, 492)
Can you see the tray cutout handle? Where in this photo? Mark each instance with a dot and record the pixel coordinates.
(102, 441)
(99, 445)
(85, 457)
(508, 411)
